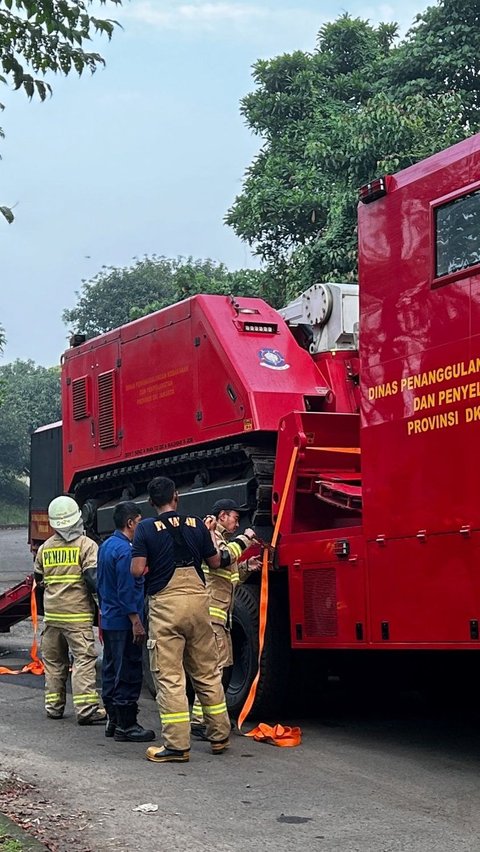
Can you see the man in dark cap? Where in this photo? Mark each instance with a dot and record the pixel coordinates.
(221, 584)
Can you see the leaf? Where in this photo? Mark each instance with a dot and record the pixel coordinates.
(7, 214)
(29, 86)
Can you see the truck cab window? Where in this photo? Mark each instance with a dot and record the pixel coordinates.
(457, 234)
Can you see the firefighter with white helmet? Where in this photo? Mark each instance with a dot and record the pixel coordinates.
(66, 566)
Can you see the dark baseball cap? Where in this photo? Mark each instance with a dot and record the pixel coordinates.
(227, 505)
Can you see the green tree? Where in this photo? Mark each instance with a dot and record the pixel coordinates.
(31, 398)
(3, 341)
(330, 122)
(117, 295)
(440, 54)
(106, 300)
(38, 37)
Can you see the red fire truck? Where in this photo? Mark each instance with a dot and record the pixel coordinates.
(379, 539)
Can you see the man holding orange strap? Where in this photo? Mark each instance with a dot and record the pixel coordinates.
(221, 583)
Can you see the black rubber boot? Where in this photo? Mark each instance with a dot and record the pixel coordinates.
(111, 721)
(127, 729)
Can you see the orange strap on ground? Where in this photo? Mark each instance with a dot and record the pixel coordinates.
(36, 666)
(278, 738)
(279, 735)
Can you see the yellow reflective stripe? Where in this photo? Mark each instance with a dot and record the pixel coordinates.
(63, 565)
(49, 620)
(234, 548)
(86, 698)
(220, 572)
(82, 617)
(174, 718)
(214, 612)
(62, 578)
(215, 709)
(58, 616)
(225, 575)
(197, 711)
(52, 696)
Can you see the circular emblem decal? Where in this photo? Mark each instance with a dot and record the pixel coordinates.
(273, 359)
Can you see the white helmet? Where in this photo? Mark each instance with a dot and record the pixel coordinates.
(63, 513)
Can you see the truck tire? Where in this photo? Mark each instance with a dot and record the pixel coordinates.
(275, 663)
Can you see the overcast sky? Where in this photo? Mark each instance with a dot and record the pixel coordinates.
(144, 157)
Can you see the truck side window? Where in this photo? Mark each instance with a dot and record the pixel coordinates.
(457, 234)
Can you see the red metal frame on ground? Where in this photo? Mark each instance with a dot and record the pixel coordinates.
(15, 604)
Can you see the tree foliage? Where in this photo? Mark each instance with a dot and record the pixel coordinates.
(358, 107)
(30, 398)
(440, 54)
(117, 295)
(38, 37)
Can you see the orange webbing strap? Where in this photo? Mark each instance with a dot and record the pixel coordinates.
(36, 666)
(353, 450)
(277, 734)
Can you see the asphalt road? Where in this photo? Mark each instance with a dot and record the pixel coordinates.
(366, 779)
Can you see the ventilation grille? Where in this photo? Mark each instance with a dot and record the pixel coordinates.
(320, 602)
(107, 430)
(81, 406)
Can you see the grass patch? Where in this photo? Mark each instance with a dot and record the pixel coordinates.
(13, 500)
(8, 843)
(11, 514)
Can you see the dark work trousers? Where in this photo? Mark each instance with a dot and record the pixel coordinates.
(121, 668)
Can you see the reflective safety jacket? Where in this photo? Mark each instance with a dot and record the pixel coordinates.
(221, 582)
(66, 598)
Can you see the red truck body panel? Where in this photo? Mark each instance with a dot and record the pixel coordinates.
(420, 356)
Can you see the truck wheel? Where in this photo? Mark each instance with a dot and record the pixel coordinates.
(275, 661)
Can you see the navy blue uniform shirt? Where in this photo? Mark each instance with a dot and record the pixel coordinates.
(155, 543)
(119, 592)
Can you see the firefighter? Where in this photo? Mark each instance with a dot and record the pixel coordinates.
(221, 583)
(121, 600)
(180, 631)
(66, 565)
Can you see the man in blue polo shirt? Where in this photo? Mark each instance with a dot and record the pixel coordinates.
(121, 600)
